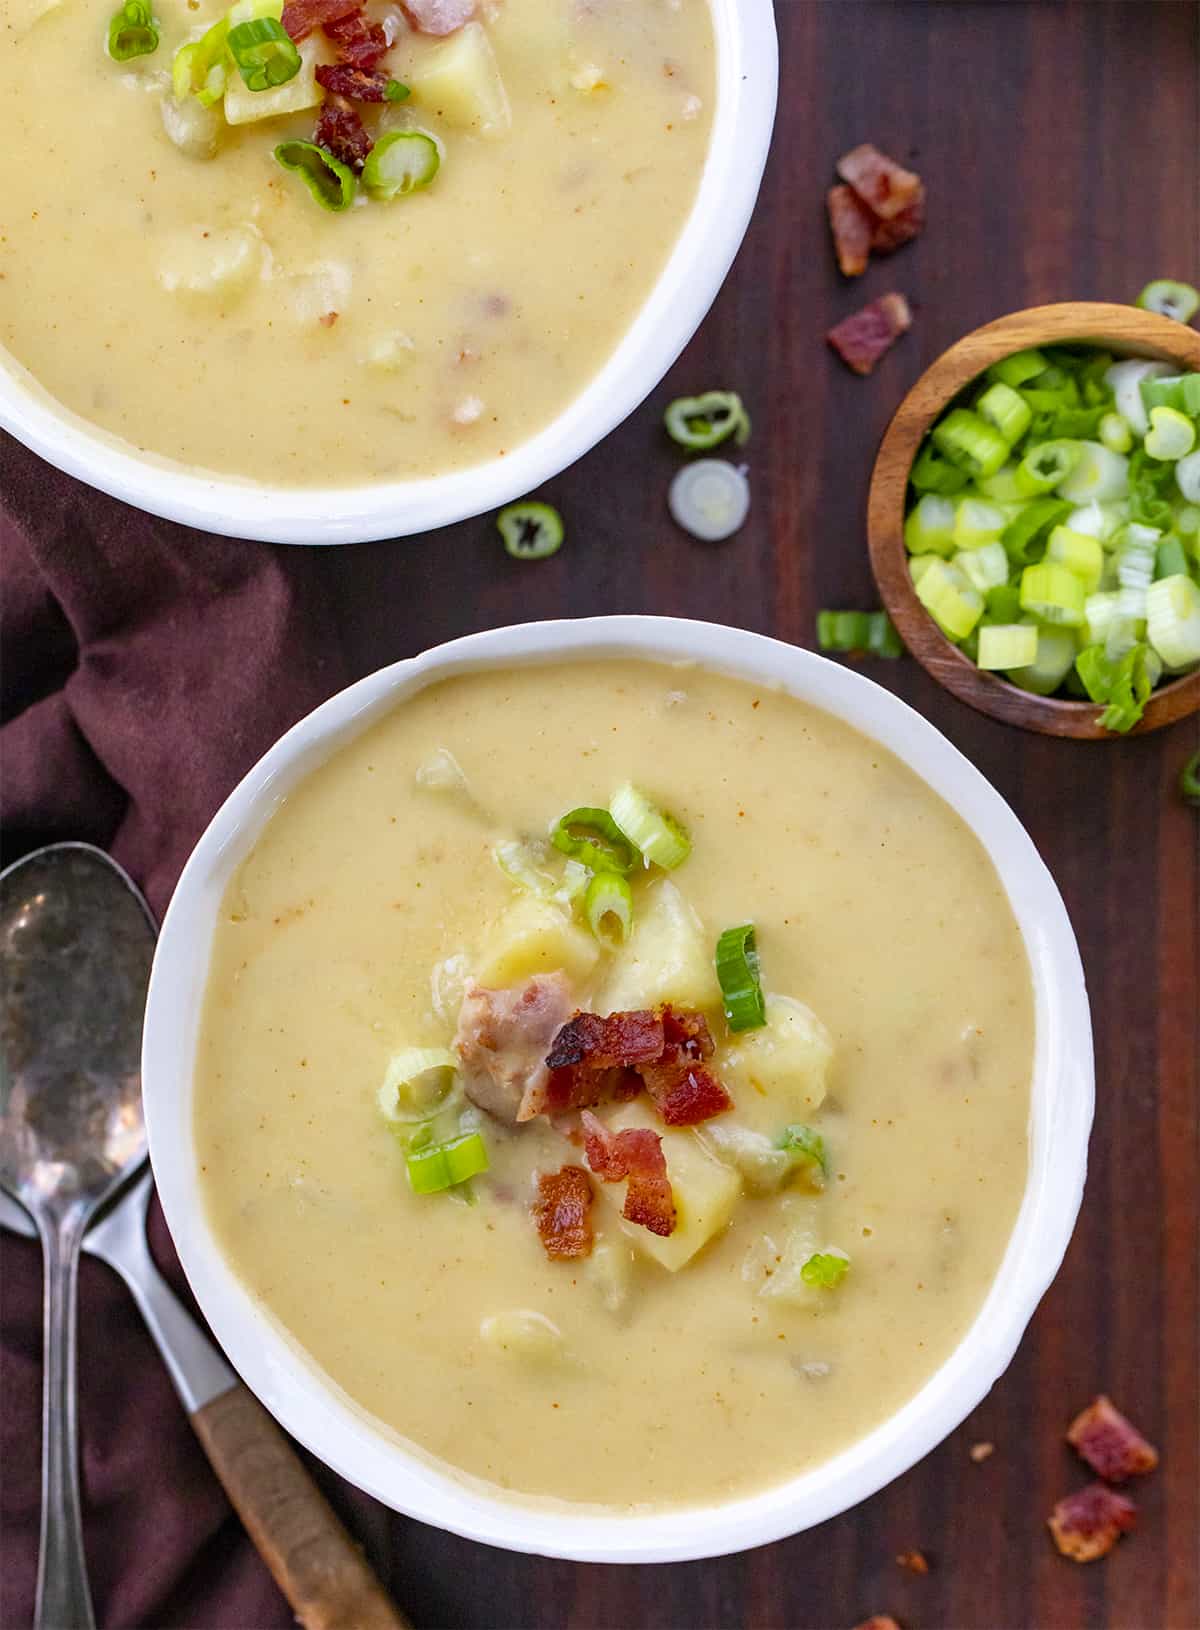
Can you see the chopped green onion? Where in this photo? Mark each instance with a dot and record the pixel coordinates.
(1057, 650)
(264, 53)
(933, 473)
(1046, 466)
(1025, 534)
(710, 498)
(402, 162)
(1007, 645)
(417, 1085)
(531, 530)
(331, 182)
(1171, 435)
(1173, 620)
(1170, 299)
(1124, 685)
(826, 1269)
(661, 839)
(1018, 369)
(1006, 410)
(977, 523)
(199, 68)
(1187, 519)
(132, 32)
(395, 91)
(1171, 558)
(1189, 780)
(441, 1166)
(1003, 604)
(1124, 379)
(1079, 554)
(1053, 594)
(1099, 613)
(1115, 433)
(985, 568)
(1002, 487)
(608, 908)
(806, 1148)
(1187, 477)
(700, 422)
(1136, 556)
(918, 565)
(950, 599)
(592, 837)
(1178, 391)
(970, 442)
(869, 631)
(518, 860)
(929, 526)
(1149, 486)
(1098, 475)
(738, 974)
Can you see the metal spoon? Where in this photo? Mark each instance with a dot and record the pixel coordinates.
(76, 943)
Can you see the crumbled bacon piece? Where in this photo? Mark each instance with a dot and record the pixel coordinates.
(862, 338)
(626, 1039)
(913, 1561)
(438, 16)
(300, 17)
(359, 84)
(884, 186)
(902, 228)
(340, 131)
(562, 1212)
(635, 1154)
(684, 1091)
(360, 42)
(1112, 1446)
(982, 1451)
(1087, 1524)
(853, 227)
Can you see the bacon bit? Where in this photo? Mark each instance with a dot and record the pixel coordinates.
(914, 1561)
(562, 1212)
(982, 1451)
(862, 338)
(1087, 1524)
(626, 1039)
(594, 1060)
(360, 42)
(853, 227)
(884, 186)
(438, 16)
(878, 1621)
(328, 320)
(1112, 1446)
(684, 1092)
(902, 228)
(635, 1154)
(343, 79)
(300, 17)
(340, 130)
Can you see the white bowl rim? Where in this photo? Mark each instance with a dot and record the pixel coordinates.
(312, 1409)
(747, 83)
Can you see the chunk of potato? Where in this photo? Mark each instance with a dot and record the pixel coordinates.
(523, 1335)
(535, 936)
(459, 80)
(705, 1190)
(667, 958)
(610, 1270)
(244, 106)
(787, 1059)
(201, 262)
(194, 129)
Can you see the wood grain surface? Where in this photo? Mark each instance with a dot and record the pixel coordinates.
(1059, 145)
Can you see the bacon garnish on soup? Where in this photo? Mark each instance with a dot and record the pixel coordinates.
(300, 17)
(562, 1212)
(360, 42)
(340, 131)
(684, 1090)
(634, 1156)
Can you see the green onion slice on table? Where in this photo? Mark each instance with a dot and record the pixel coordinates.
(1189, 780)
(658, 836)
(132, 32)
(402, 162)
(1170, 299)
(264, 53)
(531, 531)
(700, 422)
(592, 837)
(738, 975)
(608, 907)
(871, 632)
(439, 1166)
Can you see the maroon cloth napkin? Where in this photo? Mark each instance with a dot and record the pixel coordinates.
(145, 668)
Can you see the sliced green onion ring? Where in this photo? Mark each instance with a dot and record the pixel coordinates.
(402, 162)
(199, 68)
(608, 908)
(1019, 368)
(531, 531)
(1189, 780)
(419, 1084)
(1170, 299)
(332, 183)
(132, 32)
(700, 422)
(972, 443)
(264, 52)
(592, 837)
(826, 1269)
(440, 1166)
(1045, 466)
(806, 1148)
(933, 473)
(710, 498)
(661, 839)
(738, 974)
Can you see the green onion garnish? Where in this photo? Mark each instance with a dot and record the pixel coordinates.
(1019, 369)
(1171, 436)
(976, 447)
(592, 837)
(1006, 645)
(132, 32)
(531, 531)
(659, 836)
(1173, 620)
(933, 473)
(1189, 781)
(825, 1269)
(401, 162)
(738, 974)
(418, 1084)
(1170, 299)
(265, 53)
(1045, 466)
(608, 908)
(394, 91)
(440, 1166)
(871, 632)
(1006, 410)
(331, 182)
(699, 422)
(806, 1147)
(1124, 685)
(199, 69)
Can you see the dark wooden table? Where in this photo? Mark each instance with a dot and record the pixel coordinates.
(1060, 147)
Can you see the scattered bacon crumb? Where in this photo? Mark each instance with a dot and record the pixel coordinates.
(853, 227)
(438, 16)
(328, 319)
(684, 1091)
(878, 1621)
(340, 130)
(1087, 1524)
(884, 186)
(300, 17)
(562, 1212)
(1112, 1446)
(981, 1451)
(902, 228)
(359, 84)
(862, 338)
(914, 1561)
(628, 1039)
(635, 1154)
(595, 1060)
(360, 42)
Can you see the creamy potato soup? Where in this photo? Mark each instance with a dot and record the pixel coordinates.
(549, 1162)
(494, 195)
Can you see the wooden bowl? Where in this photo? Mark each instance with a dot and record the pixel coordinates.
(1122, 329)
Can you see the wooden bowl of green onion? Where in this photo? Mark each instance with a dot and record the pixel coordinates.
(1034, 519)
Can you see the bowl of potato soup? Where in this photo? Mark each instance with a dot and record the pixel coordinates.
(360, 268)
(619, 1088)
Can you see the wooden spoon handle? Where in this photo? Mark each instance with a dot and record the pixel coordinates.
(316, 1564)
